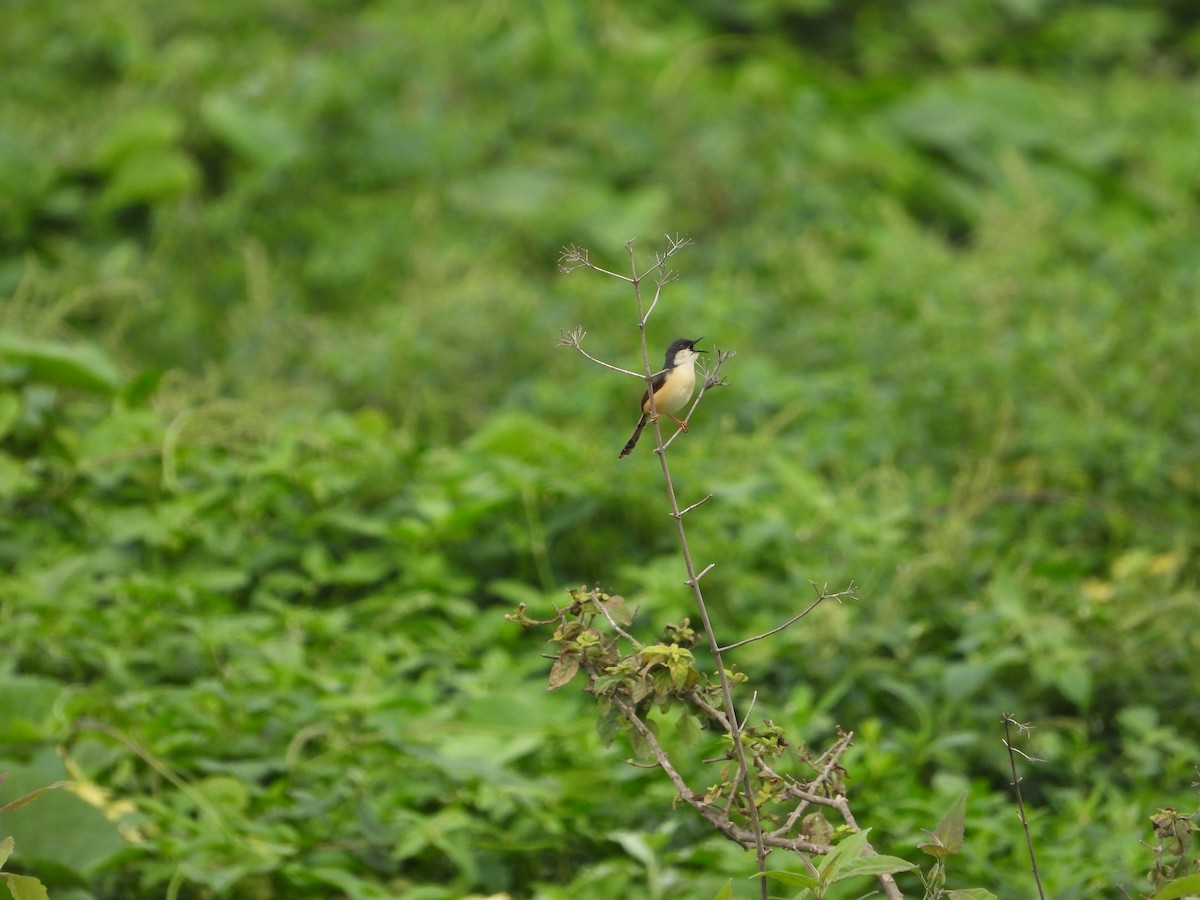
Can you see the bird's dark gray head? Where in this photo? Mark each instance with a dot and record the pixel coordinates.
(681, 344)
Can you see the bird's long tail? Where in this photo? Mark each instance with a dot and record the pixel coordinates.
(637, 433)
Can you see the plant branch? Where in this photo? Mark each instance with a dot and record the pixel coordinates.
(822, 596)
(711, 378)
(663, 674)
(686, 510)
(574, 338)
(572, 258)
(1016, 785)
(615, 627)
(735, 731)
(746, 837)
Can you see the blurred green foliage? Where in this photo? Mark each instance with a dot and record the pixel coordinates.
(283, 433)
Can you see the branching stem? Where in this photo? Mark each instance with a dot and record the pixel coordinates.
(735, 729)
(732, 804)
(1016, 785)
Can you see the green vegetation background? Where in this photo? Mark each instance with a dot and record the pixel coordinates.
(284, 432)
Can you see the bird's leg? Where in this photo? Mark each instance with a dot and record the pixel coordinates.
(682, 425)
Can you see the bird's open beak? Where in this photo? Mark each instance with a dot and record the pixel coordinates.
(696, 341)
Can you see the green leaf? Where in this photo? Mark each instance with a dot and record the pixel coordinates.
(635, 845)
(947, 838)
(263, 136)
(792, 879)
(688, 727)
(658, 651)
(15, 476)
(146, 128)
(26, 887)
(1073, 677)
(152, 176)
(14, 805)
(6, 849)
(849, 849)
(61, 365)
(971, 894)
(1181, 888)
(91, 840)
(10, 410)
(874, 865)
(608, 726)
(726, 891)
(639, 744)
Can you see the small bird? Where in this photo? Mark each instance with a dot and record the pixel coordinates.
(672, 387)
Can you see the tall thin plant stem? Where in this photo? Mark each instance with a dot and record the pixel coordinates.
(693, 580)
(571, 658)
(1016, 786)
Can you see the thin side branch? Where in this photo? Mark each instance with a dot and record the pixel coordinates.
(574, 338)
(1016, 786)
(571, 258)
(743, 836)
(710, 372)
(674, 245)
(745, 796)
(701, 574)
(822, 596)
(749, 709)
(684, 512)
(711, 378)
(612, 623)
(743, 778)
(665, 277)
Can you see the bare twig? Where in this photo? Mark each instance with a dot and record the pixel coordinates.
(732, 805)
(735, 731)
(674, 245)
(710, 372)
(719, 820)
(749, 709)
(571, 338)
(678, 431)
(809, 793)
(612, 623)
(822, 596)
(685, 511)
(571, 258)
(658, 287)
(1016, 785)
(574, 338)
(710, 379)
(721, 804)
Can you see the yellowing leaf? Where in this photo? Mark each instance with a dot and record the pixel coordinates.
(563, 670)
(26, 887)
